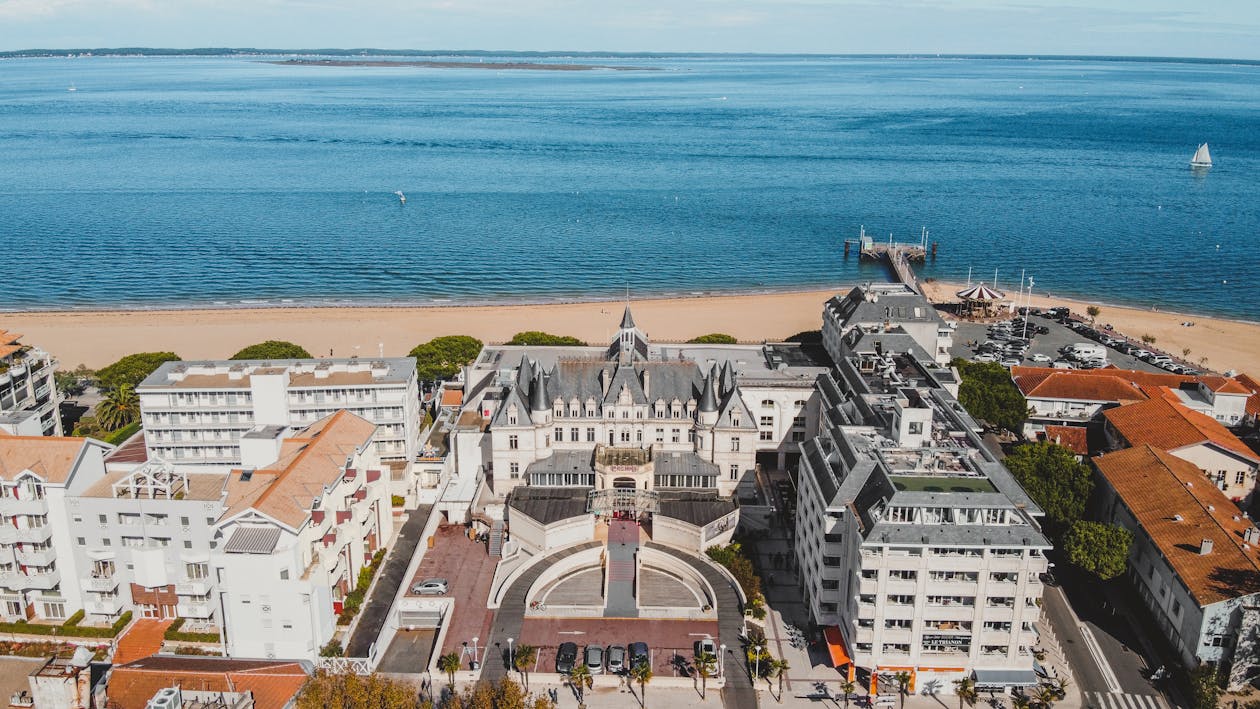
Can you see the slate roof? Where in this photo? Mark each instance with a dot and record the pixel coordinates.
(547, 505)
(695, 507)
(895, 303)
(1177, 510)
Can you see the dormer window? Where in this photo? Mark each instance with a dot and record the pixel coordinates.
(735, 419)
(511, 415)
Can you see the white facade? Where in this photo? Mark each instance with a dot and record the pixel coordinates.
(886, 307)
(38, 578)
(29, 399)
(294, 538)
(912, 540)
(194, 413)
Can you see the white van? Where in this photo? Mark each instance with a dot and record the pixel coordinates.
(1087, 351)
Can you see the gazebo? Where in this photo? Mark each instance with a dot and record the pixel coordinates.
(980, 297)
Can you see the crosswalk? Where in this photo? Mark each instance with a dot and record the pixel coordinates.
(1107, 700)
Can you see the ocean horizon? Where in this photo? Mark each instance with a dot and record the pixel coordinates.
(227, 181)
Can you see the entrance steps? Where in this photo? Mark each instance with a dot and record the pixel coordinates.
(496, 538)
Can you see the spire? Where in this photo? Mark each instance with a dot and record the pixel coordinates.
(726, 380)
(708, 400)
(627, 320)
(538, 400)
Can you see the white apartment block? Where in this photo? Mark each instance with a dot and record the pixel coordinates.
(194, 413)
(885, 307)
(37, 475)
(29, 398)
(142, 543)
(295, 534)
(918, 551)
(534, 415)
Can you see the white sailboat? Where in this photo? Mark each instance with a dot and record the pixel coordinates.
(1202, 158)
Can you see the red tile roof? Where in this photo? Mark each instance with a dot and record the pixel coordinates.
(1178, 509)
(49, 457)
(452, 397)
(142, 639)
(1074, 438)
(1170, 426)
(1250, 383)
(1040, 383)
(273, 682)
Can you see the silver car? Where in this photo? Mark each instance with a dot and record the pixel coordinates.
(429, 587)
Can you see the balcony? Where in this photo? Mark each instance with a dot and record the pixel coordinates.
(104, 606)
(31, 557)
(43, 580)
(28, 535)
(193, 587)
(10, 506)
(194, 610)
(99, 584)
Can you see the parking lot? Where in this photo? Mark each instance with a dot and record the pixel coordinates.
(469, 570)
(1048, 344)
(665, 639)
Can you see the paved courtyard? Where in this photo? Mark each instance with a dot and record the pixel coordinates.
(469, 570)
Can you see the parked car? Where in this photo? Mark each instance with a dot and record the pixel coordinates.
(705, 645)
(595, 659)
(615, 659)
(1062, 364)
(566, 657)
(639, 653)
(1011, 362)
(1040, 358)
(984, 358)
(429, 587)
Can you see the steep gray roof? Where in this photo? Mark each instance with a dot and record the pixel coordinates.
(627, 320)
(538, 399)
(708, 400)
(581, 380)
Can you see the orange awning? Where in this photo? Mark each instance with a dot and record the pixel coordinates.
(835, 645)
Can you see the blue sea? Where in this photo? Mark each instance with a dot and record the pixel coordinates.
(228, 181)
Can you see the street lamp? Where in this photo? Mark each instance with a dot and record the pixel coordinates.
(475, 639)
(511, 657)
(721, 655)
(757, 649)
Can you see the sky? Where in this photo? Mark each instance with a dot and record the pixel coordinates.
(1185, 28)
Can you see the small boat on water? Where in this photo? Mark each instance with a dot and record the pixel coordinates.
(1202, 158)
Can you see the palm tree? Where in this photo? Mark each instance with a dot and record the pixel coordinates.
(966, 690)
(1020, 701)
(1045, 696)
(450, 664)
(580, 679)
(759, 660)
(1060, 685)
(119, 407)
(706, 667)
(903, 686)
(848, 688)
(524, 659)
(641, 672)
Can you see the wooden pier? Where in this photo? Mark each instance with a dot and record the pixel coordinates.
(897, 256)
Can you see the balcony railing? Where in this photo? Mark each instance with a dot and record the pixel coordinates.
(10, 506)
(41, 557)
(193, 587)
(33, 535)
(105, 606)
(18, 581)
(194, 610)
(99, 584)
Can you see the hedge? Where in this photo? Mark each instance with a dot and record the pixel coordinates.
(174, 633)
(354, 599)
(68, 629)
(117, 437)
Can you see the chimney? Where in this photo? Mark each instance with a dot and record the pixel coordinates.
(605, 380)
(1251, 535)
(646, 381)
(1205, 547)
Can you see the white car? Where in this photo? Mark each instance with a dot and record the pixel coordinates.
(429, 587)
(1062, 364)
(1041, 358)
(984, 358)
(1011, 362)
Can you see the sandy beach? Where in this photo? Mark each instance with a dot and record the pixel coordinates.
(98, 338)
(1227, 344)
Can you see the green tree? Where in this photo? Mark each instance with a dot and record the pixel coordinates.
(442, 357)
(119, 407)
(523, 659)
(641, 672)
(965, 688)
(1020, 701)
(504, 694)
(847, 687)
(988, 394)
(759, 660)
(903, 686)
(73, 382)
(706, 667)
(1204, 686)
(1101, 549)
(450, 664)
(580, 679)
(1093, 312)
(132, 369)
(713, 338)
(1056, 481)
(351, 691)
(732, 557)
(273, 349)
(331, 649)
(543, 339)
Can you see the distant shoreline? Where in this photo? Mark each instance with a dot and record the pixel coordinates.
(428, 64)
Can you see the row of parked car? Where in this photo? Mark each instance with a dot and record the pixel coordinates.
(1009, 341)
(1110, 339)
(617, 659)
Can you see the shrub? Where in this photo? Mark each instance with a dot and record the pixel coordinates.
(544, 339)
(273, 349)
(132, 369)
(989, 394)
(732, 557)
(354, 599)
(74, 619)
(175, 634)
(713, 338)
(397, 500)
(332, 649)
(68, 629)
(441, 357)
(122, 434)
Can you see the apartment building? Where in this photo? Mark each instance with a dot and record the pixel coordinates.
(194, 413)
(37, 476)
(294, 535)
(917, 549)
(1166, 424)
(142, 543)
(1195, 559)
(29, 398)
(886, 307)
